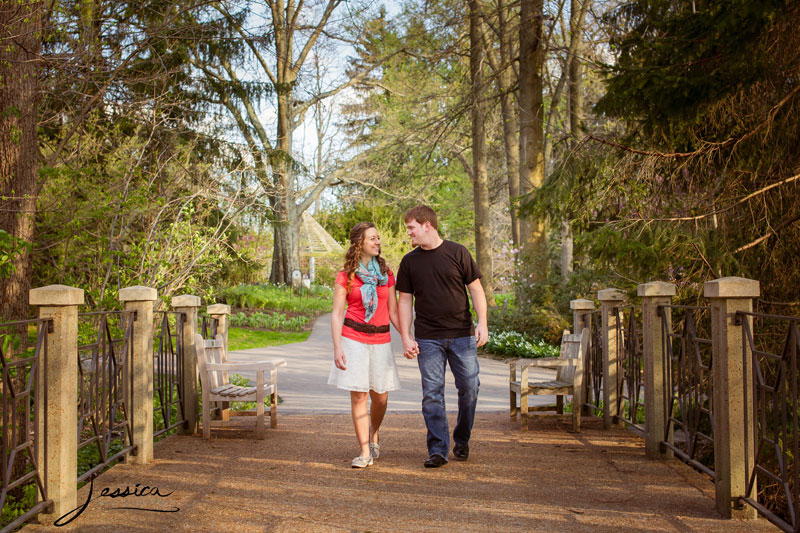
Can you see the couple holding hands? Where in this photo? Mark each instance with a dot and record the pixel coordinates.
(432, 278)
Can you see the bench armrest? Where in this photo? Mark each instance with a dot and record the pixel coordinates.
(543, 362)
(246, 365)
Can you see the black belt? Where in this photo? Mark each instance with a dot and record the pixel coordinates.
(371, 329)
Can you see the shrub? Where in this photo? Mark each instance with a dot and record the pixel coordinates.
(517, 344)
(540, 323)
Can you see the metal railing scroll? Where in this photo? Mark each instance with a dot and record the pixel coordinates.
(23, 399)
(772, 485)
(630, 357)
(105, 381)
(593, 369)
(688, 383)
(168, 409)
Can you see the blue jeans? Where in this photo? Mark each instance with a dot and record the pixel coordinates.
(434, 355)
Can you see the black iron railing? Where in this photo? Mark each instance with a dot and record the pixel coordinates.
(23, 356)
(593, 369)
(772, 478)
(630, 370)
(688, 385)
(105, 381)
(168, 412)
(208, 326)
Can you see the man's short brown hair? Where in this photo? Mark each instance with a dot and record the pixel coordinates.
(423, 214)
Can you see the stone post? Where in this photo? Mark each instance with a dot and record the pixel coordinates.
(582, 318)
(732, 372)
(609, 299)
(188, 305)
(654, 294)
(581, 314)
(140, 299)
(220, 312)
(59, 303)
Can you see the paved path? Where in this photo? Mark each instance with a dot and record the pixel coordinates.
(298, 479)
(303, 384)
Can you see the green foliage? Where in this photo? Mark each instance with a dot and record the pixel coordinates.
(538, 322)
(270, 321)
(10, 247)
(18, 504)
(675, 59)
(327, 267)
(131, 212)
(278, 297)
(513, 343)
(340, 220)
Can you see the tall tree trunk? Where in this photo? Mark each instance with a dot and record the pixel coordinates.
(20, 45)
(480, 176)
(531, 131)
(286, 248)
(286, 251)
(509, 114)
(575, 104)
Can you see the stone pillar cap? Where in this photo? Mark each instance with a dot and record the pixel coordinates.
(138, 293)
(56, 295)
(610, 295)
(219, 309)
(581, 304)
(186, 300)
(732, 287)
(656, 288)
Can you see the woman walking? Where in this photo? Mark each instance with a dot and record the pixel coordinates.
(362, 355)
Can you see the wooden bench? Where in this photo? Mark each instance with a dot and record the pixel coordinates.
(214, 366)
(569, 378)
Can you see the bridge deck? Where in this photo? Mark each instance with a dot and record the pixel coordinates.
(298, 479)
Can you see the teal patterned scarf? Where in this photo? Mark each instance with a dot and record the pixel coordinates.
(371, 277)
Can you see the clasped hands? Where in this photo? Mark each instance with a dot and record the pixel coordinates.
(410, 348)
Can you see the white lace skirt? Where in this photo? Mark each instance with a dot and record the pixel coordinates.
(369, 367)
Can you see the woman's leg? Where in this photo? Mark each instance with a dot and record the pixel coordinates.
(358, 408)
(376, 412)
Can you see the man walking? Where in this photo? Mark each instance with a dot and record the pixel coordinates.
(432, 278)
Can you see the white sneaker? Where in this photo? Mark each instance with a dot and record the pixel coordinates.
(374, 450)
(361, 462)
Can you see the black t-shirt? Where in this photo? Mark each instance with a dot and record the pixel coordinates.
(437, 279)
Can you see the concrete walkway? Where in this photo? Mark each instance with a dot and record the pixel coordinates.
(303, 384)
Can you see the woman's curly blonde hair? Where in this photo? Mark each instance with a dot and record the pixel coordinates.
(353, 254)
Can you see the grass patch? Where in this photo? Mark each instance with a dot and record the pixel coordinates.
(243, 339)
(315, 300)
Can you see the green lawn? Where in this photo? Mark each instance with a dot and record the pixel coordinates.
(242, 339)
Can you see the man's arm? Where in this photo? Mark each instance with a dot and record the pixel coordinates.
(479, 303)
(404, 305)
